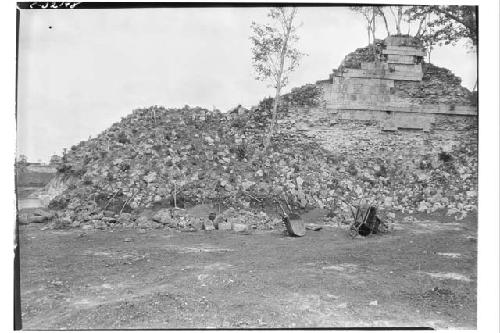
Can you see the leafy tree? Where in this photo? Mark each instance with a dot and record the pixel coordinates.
(274, 53)
(440, 24)
(398, 13)
(370, 14)
(447, 24)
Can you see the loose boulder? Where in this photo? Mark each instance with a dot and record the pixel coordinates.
(164, 217)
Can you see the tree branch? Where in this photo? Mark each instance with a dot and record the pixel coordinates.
(454, 17)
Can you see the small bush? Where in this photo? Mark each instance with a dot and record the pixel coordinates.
(382, 172)
(445, 157)
(336, 158)
(239, 122)
(351, 169)
(63, 168)
(59, 202)
(87, 180)
(122, 138)
(241, 152)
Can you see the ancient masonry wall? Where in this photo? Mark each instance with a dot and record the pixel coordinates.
(372, 92)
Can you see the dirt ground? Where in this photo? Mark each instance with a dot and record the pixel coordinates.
(422, 274)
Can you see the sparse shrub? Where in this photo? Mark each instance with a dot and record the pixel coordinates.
(424, 164)
(351, 169)
(86, 160)
(63, 168)
(239, 122)
(335, 158)
(382, 172)
(87, 180)
(241, 152)
(59, 202)
(124, 166)
(445, 157)
(122, 138)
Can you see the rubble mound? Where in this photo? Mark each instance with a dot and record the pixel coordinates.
(158, 158)
(438, 85)
(362, 54)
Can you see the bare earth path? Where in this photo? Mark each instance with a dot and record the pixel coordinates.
(421, 274)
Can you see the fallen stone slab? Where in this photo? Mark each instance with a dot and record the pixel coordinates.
(224, 226)
(99, 224)
(239, 227)
(207, 225)
(125, 218)
(164, 217)
(313, 227)
(294, 225)
(144, 222)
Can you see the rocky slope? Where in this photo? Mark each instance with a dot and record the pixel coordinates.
(156, 156)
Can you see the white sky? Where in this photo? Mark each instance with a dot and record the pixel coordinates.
(95, 66)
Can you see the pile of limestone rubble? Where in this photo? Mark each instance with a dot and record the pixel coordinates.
(438, 85)
(156, 158)
(406, 171)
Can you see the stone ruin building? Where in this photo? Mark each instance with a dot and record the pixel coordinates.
(394, 87)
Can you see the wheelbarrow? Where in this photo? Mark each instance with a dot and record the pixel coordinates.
(293, 223)
(365, 220)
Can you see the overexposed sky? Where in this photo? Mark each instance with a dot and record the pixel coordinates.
(95, 66)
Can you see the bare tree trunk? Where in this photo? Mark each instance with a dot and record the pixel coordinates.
(400, 16)
(417, 34)
(278, 84)
(175, 194)
(373, 32)
(385, 22)
(274, 116)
